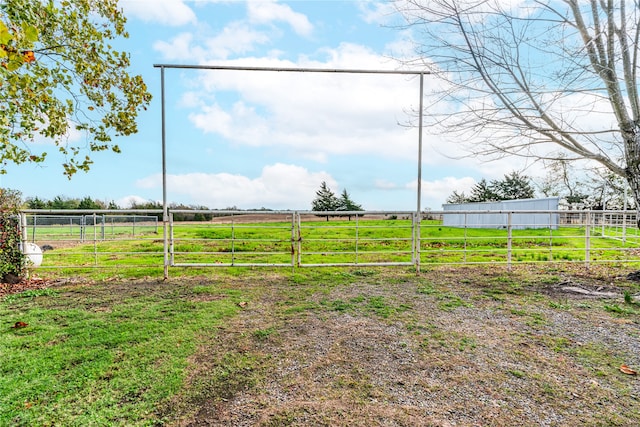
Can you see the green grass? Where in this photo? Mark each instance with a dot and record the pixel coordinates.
(95, 358)
(339, 242)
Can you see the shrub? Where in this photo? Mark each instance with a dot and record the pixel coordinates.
(12, 260)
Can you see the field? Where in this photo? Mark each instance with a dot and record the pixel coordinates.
(286, 240)
(452, 346)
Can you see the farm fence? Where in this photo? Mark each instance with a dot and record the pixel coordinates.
(140, 239)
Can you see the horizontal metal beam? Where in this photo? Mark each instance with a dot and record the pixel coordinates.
(290, 69)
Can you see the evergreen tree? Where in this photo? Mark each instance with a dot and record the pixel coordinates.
(325, 200)
(89, 203)
(36, 203)
(483, 192)
(60, 202)
(346, 204)
(513, 187)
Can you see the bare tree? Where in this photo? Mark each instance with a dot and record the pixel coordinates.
(562, 180)
(549, 79)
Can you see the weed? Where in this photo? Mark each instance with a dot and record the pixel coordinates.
(615, 308)
(517, 373)
(451, 301)
(466, 343)
(548, 389)
(263, 334)
(560, 305)
(363, 273)
(628, 299)
(427, 290)
(30, 294)
(340, 305)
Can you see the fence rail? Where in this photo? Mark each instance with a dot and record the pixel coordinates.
(134, 239)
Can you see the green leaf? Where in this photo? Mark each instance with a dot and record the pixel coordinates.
(5, 35)
(13, 64)
(30, 33)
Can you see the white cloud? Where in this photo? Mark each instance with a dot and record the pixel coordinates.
(236, 38)
(314, 115)
(167, 12)
(128, 201)
(265, 12)
(279, 186)
(439, 189)
(435, 193)
(377, 12)
(181, 47)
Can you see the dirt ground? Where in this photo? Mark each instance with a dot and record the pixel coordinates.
(448, 347)
(452, 347)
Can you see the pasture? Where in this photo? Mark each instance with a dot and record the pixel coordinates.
(292, 240)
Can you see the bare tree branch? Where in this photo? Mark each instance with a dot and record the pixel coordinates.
(537, 78)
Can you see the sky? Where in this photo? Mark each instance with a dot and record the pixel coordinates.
(253, 140)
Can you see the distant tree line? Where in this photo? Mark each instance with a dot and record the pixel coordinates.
(594, 188)
(67, 203)
(61, 202)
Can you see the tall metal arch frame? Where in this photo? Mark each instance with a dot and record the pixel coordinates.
(163, 67)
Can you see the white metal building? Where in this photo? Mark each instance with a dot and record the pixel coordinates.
(496, 214)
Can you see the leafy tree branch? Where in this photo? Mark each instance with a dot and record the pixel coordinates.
(59, 73)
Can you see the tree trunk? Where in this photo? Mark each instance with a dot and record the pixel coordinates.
(632, 171)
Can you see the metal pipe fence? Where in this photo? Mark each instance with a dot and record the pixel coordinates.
(297, 239)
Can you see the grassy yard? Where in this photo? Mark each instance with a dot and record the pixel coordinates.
(451, 346)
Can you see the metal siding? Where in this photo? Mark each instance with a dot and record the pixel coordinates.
(493, 215)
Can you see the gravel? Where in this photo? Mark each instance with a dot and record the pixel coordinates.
(452, 347)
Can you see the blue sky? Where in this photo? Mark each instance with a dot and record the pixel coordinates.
(257, 139)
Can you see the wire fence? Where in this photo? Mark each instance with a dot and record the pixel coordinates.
(297, 239)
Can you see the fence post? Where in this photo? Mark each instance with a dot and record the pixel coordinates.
(465, 237)
(171, 248)
(299, 227)
(233, 241)
(293, 240)
(23, 231)
(357, 235)
(550, 236)
(509, 235)
(418, 244)
(95, 239)
(587, 241)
